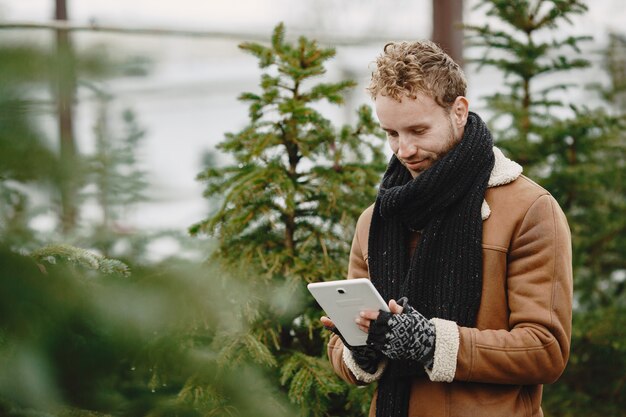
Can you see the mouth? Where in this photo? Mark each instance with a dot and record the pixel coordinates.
(416, 165)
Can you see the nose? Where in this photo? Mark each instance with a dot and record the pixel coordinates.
(406, 148)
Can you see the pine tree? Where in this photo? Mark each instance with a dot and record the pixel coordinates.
(615, 65)
(577, 156)
(577, 153)
(104, 343)
(24, 157)
(82, 336)
(289, 203)
(117, 179)
(28, 165)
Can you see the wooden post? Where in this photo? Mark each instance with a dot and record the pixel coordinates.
(447, 33)
(65, 94)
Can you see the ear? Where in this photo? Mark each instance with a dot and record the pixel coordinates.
(460, 111)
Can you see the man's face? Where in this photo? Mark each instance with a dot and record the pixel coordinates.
(419, 131)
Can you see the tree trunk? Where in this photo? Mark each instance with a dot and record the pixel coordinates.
(65, 90)
(447, 30)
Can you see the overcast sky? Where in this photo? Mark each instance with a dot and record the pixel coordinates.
(239, 15)
(260, 15)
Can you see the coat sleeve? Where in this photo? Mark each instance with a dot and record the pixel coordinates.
(539, 289)
(340, 357)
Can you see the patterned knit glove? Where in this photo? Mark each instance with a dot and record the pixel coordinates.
(365, 356)
(408, 335)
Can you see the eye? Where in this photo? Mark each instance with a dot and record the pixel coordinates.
(391, 133)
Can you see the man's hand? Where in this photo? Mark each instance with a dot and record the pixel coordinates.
(402, 336)
(366, 357)
(367, 316)
(396, 335)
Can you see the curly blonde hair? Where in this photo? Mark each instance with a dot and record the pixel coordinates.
(408, 68)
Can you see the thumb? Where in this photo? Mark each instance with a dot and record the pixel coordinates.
(395, 307)
(327, 322)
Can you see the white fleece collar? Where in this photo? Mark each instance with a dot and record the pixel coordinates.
(504, 171)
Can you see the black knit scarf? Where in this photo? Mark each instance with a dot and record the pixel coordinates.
(443, 278)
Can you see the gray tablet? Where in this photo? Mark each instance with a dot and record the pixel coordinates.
(343, 301)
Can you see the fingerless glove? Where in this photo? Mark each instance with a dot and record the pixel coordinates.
(408, 335)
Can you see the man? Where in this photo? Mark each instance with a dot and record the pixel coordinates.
(477, 255)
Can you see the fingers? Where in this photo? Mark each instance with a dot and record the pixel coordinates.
(365, 318)
(394, 307)
(327, 322)
(363, 323)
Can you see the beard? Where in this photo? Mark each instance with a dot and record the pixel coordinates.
(430, 158)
